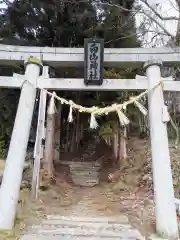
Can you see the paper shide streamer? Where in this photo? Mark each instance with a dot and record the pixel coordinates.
(70, 116)
(165, 114)
(122, 118)
(52, 106)
(93, 122)
(141, 107)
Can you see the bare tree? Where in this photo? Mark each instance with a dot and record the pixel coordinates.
(155, 25)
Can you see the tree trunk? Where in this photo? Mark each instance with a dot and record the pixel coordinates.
(115, 141)
(77, 131)
(67, 137)
(122, 144)
(49, 151)
(73, 140)
(178, 26)
(57, 133)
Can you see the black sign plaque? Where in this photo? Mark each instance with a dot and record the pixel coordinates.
(93, 61)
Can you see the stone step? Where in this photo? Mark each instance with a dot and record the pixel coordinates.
(57, 237)
(86, 232)
(112, 220)
(71, 224)
(64, 227)
(86, 182)
(85, 173)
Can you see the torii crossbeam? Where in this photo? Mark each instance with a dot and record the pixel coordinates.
(69, 84)
(74, 57)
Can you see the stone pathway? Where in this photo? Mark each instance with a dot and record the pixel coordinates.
(82, 221)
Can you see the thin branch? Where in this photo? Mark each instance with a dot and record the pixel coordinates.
(158, 24)
(141, 10)
(118, 6)
(157, 14)
(136, 34)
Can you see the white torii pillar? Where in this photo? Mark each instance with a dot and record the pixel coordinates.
(10, 187)
(166, 219)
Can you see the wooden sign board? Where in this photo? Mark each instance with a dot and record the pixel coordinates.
(93, 61)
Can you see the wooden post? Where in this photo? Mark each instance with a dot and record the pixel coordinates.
(49, 146)
(57, 132)
(166, 219)
(38, 144)
(10, 187)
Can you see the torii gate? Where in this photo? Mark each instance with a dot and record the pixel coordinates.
(166, 220)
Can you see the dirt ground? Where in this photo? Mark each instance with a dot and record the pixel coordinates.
(130, 195)
(96, 201)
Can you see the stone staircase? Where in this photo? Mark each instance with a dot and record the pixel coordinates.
(85, 173)
(55, 227)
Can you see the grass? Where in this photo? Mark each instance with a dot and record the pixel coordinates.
(7, 235)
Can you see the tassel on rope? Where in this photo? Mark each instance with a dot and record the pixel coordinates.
(93, 122)
(141, 107)
(165, 114)
(52, 106)
(124, 106)
(122, 118)
(70, 116)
